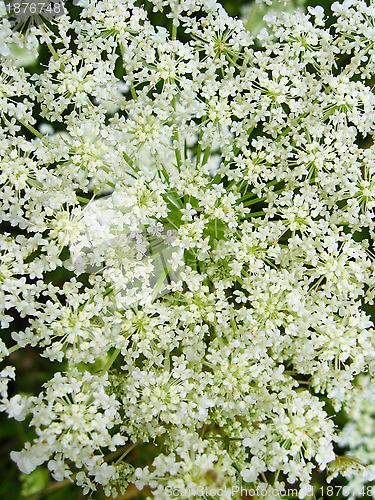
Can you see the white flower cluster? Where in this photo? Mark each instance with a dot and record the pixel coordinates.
(73, 419)
(209, 200)
(358, 438)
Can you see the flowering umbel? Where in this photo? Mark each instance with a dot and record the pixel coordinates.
(209, 199)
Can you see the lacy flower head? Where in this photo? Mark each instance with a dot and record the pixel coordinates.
(187, 211)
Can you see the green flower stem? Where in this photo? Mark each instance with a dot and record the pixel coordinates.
(128, 449)
(206, 156)
(111, 360)
(32, 129)
(256, 214)
(251, 17)
(160, 282)
(53, 51)
(14, 348)
(167, 361)
(174, 31)
(83, 200)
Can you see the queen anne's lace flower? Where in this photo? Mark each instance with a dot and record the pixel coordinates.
(189, 233)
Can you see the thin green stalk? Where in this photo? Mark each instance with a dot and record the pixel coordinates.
(199, 148)
(14, 348)
(111, 360)
(160, 282)
(133, 92)
(252, 16)
(83, 200)
(32, 129)
(174, 31)
(127, 451)
(206, 155)
(167, 362)
(253, 202)
(53, 51)
(177, 150)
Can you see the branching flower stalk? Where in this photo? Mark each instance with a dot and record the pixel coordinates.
(209, 198)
